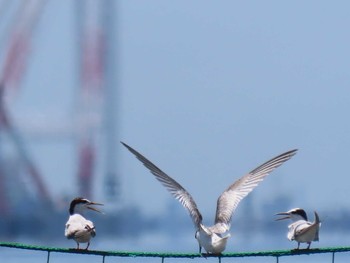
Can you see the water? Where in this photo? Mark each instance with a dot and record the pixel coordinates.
(156, 242)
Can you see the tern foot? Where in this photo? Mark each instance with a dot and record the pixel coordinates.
(206, 255)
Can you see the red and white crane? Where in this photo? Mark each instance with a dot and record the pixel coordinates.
(96, 97)
(14, 65)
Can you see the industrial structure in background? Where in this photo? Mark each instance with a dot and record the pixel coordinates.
(20, 177)
(96, 104)
(17, 44)
(27, 206)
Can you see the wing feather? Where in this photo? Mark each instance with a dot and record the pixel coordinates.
(172, 186)
(230, 198)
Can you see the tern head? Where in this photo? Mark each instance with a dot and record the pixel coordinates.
(80, 204)
(294, 214)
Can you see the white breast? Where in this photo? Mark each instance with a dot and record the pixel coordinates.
(79, 228)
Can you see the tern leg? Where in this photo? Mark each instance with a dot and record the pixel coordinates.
(309, 244)
(202, 254)
(88, 244)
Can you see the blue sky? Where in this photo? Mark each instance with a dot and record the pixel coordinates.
(207, 91)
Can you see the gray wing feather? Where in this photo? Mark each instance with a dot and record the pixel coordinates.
(172, 186)
(230, 198)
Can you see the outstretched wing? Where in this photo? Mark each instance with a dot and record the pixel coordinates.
(230, 198)
(173, 187)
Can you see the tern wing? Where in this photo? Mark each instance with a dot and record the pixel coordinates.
(302, 229)
(172, 186)
(308, 230)
(230, 198)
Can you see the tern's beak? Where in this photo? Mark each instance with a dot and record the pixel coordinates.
(285, 215)
(91, 207)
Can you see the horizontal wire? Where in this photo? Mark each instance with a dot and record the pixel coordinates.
(272, 253)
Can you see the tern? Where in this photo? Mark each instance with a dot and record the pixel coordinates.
(214, 238)
(301, 230)
(78, 227)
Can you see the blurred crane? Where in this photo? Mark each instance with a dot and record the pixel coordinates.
(15, 62)
(95, 104)
(96, 45)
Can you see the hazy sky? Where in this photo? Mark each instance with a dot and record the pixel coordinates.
(208, 90)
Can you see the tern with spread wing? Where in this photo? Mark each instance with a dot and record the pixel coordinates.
(301, 230)
(78, 227)
(214, 238)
